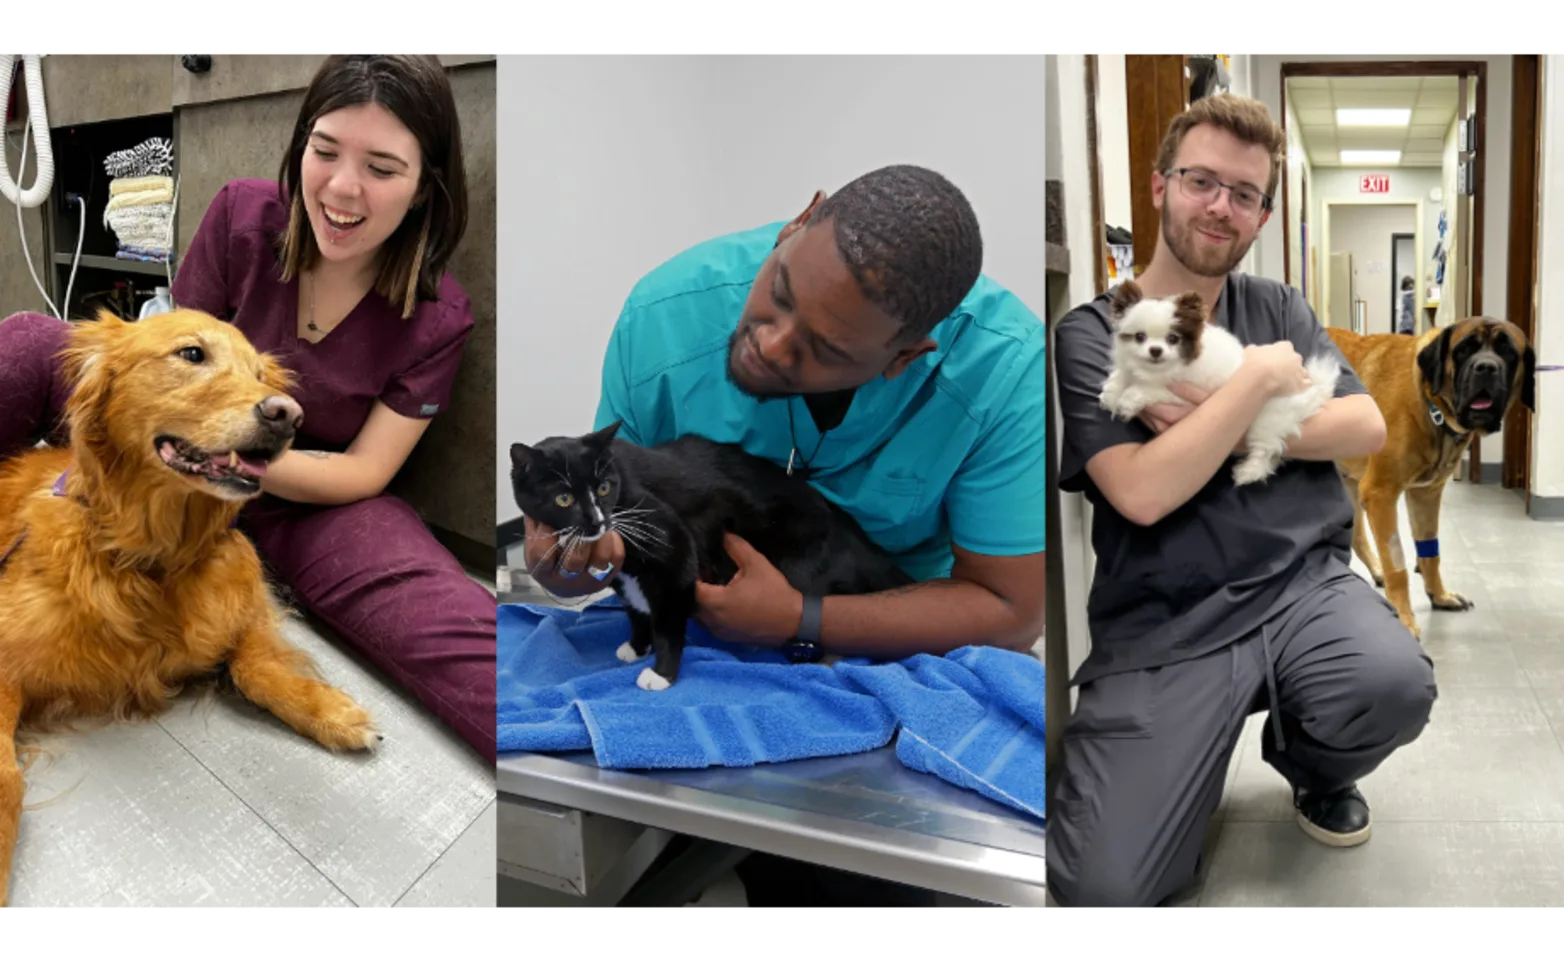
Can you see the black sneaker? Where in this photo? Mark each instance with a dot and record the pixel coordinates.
(1337, 819)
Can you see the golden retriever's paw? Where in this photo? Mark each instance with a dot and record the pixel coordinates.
(344, 725)
(1411, 624)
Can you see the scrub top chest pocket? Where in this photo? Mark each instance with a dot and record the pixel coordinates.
(889, 508)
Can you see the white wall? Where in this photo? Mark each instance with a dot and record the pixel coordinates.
(1455, 207)
(1240, 69)
(1113, 142)
(1547, 465)
(1364, 231)
(1406, 183)
(1297, 171)
(610, 165)
(1068, 162)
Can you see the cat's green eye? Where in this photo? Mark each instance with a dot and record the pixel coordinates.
(603, 488)
(565, 499)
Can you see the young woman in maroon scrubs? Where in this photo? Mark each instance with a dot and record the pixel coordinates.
(339, 272)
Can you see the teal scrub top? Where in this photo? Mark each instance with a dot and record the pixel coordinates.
(950, 451)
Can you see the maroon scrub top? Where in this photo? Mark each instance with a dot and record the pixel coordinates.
(232, 271)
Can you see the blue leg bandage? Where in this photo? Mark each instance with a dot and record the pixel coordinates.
(1427, 549)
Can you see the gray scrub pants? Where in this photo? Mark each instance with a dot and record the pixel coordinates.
(1146, 753)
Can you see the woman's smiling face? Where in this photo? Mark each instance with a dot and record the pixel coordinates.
(360, 176)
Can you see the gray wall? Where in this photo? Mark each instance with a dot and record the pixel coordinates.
(1364, 231)
(234, 122)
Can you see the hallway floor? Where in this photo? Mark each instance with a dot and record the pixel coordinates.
(1472, 813)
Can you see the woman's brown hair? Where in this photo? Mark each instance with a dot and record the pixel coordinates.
(417, 92)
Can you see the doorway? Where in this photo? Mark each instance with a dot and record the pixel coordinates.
(1403, 282)
(1357, 240)
(1373, 121)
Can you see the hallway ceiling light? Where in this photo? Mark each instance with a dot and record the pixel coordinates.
(1346, 117)
(1373, 158)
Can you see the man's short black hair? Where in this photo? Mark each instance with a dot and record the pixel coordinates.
(910, 239)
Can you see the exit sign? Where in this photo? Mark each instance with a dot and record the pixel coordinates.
(1374, 183)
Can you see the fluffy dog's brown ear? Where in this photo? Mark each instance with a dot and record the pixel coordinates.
(276, 377)
(1125, 295)
(1189, 321)
(88, 366)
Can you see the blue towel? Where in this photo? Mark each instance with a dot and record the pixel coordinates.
(973, 718)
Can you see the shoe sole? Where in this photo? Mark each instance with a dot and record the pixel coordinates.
(1315, 832)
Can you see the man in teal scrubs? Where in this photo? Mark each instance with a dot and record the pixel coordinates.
(860, 344)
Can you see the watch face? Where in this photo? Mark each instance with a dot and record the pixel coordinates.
(802, 651)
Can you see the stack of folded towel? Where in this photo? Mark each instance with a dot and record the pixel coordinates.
(141, 200)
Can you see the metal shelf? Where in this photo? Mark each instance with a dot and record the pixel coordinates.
(97, 262)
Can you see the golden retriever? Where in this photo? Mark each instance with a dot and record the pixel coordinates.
(122, 574)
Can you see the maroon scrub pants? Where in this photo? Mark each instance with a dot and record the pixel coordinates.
(370, 570)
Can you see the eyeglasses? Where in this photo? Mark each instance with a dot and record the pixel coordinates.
(1202, 185)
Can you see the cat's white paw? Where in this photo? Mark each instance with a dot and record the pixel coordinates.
(650, 680)
(626, 653)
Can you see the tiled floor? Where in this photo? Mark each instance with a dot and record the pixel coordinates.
(217, 803)
(1472, 813)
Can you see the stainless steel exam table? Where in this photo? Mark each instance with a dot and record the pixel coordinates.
(588, 835)
(570, 825)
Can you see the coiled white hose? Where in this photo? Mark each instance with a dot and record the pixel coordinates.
(35, 195)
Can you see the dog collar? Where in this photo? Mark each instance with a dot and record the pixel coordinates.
(1441, 421)
(59, 487)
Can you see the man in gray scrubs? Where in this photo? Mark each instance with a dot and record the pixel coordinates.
(1210, 601)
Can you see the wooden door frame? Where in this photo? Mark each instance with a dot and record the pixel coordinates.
(1525, 173)
(1410, 68)
(1156, 90)
(1099, 241)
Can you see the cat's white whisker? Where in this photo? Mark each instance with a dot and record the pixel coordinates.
(541, 561)
(639, 525)
(620, 518)
(642, 542)
(649, 532)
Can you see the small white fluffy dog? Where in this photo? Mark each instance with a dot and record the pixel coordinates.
(1159, 342)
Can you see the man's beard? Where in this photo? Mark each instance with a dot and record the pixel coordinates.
(1193, 253)
(734, 340)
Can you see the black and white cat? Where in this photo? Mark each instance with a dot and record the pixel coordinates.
(671, 505)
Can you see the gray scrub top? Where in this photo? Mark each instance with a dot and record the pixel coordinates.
(1216, 569)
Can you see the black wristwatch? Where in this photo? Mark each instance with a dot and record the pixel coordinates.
(805, 647)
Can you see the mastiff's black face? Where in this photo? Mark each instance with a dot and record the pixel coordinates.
(1480, 367)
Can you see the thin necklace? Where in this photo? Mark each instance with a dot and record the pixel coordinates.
(793, 434)
(311, 321)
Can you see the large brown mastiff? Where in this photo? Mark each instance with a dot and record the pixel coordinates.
(1436, 391)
